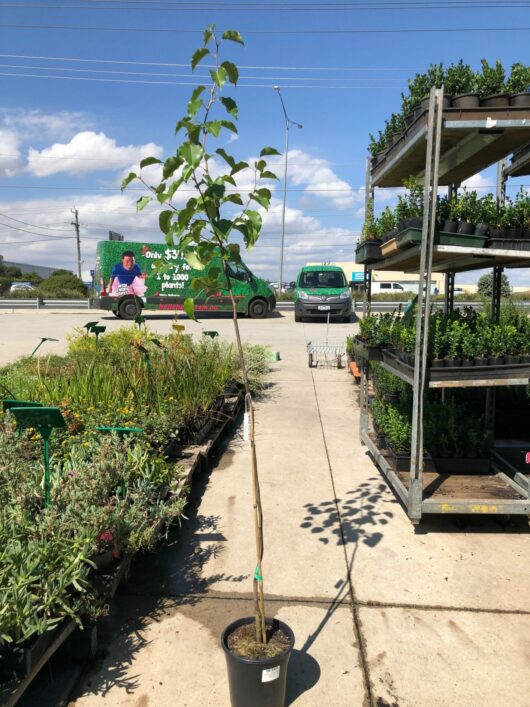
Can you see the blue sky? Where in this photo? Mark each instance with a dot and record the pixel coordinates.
(67, 141)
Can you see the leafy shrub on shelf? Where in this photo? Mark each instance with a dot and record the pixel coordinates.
(411, 203)
(492, 79)
(468, 206)
(386, 221)
(369, 230)
(519, 81)
(460, 78)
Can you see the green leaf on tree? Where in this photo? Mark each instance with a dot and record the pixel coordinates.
(233, 35)
(268, 175)
(238, 167)
(262, 196)
(229, 125)
(142, 203)
(214, 127)
(235, 252)
(218, 76)
(234, 199)
(191, 153)
(164, 220)
(228, 158)
(198, 56)
(207, 35)
(268, 151)
(193, 261)
(222, 227)
(171, 165)
(231, 70)
(230, 105)
(195, 101)
(189, 308)
(148, 161)
(128, 179)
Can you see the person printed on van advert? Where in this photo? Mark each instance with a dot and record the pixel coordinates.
(126, 277)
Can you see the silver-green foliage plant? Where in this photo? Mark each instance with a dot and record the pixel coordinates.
(204, 229)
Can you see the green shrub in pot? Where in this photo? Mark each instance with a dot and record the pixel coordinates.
(492, 79)
(460, 78)
(519, 80)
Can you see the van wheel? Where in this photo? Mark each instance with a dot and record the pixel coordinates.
(129, 309)
(258, 309)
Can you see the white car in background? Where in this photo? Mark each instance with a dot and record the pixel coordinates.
(22, 286)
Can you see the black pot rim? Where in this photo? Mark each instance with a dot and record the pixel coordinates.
(250, 661)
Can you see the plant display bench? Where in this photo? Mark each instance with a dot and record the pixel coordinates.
(444, 147)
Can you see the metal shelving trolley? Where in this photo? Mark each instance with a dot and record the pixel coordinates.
(443, 147)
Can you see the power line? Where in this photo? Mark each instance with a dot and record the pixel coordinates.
(33, 225)
(179, 83)
(208, 66)
(33, 233)
(188, 75)
(173, 30)
(287, 7)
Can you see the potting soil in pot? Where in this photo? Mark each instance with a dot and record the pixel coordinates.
(242, 642)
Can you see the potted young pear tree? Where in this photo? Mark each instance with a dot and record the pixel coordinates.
(204, 230)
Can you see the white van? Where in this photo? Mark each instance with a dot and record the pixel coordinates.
(387, 287)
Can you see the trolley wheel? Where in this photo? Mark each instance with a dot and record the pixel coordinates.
(310, 360)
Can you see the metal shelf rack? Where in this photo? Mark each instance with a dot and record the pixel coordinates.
(444, 147)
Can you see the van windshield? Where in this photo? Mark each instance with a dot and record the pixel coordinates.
(323, 278)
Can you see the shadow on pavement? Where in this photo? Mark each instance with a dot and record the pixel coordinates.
(360, 520)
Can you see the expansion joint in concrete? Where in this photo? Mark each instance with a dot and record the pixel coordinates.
(357, 628)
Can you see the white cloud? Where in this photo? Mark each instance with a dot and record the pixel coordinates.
(10, 155)
(31, 124)
(318, 177)
(87, 152)
(479, 182)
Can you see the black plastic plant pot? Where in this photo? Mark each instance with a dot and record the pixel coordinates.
(496, 360)
(514, 233)
(511, 359)
(257, 683)
(497, 233)
(453, 362)
(468, 362)
(520, 100)
(466, 228)
(525, 358)
(481, 360)
(450, 226)
(438, 363)
(466, 100)
(498, 100)
(481, 229)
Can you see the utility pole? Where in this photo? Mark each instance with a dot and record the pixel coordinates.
(75, 224)
(288, 123)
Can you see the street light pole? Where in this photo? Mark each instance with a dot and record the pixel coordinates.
(288, 123)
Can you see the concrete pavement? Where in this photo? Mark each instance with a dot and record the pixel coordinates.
(382, 615)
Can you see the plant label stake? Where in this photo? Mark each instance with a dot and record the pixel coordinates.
(179, 328)
(88, 326)
(97, 330)
(44, 420)
(43, 339)
(121, 432)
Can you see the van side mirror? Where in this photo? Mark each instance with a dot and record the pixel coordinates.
(248, 277)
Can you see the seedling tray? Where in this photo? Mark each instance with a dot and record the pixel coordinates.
(368, 252)
(412, 236)
(457, 374)
(390, 248)
(368, 353)
(400, 461)
(509, 243)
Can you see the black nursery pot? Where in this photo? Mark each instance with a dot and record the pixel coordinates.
(511, 359)
(514, 233)
(450, 226)
(257, 683)
(481, 360)
(437, 363)
(481, 229)
(466, 100)
(498, 100)
(497, 233)
(466, 228)
(496, 360)
(453, 362)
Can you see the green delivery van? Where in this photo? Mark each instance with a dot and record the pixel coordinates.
(321, 290)
(127, 280)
